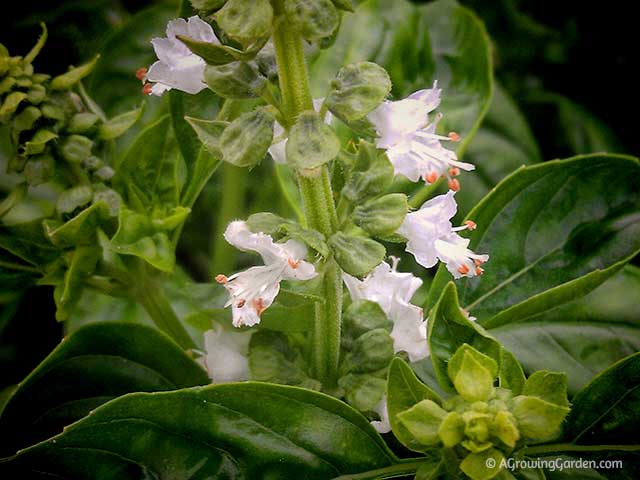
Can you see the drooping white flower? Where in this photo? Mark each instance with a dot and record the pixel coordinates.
(278, 149)
(392, 290)
(382, 425)
(413, 147)
(431, 237)
(253, 291)
(177, 67)
(226, 359)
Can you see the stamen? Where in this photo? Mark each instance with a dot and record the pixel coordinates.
(479, 270)
(258, 305)
(454, 137)
(471, 225)
(454, 171)
(222, 279)
(454, 184)
(478, 262)
(293, 263)
(463, 269)
(141, 74)
(431, 177)
(146, 89)
(241, 303)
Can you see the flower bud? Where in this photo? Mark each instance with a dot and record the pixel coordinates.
(356, 255)
(371, 351)
(314, 19)
(76, 148)
(82, 122)
(383, 216)
(312, 142)
(246, 21)
(357, 90)
(38, 142)
(238, 80)
(245, 142)
(39, 169)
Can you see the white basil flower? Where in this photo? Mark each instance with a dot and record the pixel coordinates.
(409, 138)
(253, 291)
(392, 290)
(382, 425)
(226, 359)
(431, 237)
(177, 67)
(278, 149)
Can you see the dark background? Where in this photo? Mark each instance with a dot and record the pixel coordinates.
(582, 51)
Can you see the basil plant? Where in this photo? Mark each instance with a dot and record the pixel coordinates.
(390, 291)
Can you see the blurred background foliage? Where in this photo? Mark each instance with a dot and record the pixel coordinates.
(563, 87)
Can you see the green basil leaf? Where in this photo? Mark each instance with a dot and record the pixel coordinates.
(546, 248)
(449, 329)
(90, 367)
(245, 430)
(404, 390)
(607, 410)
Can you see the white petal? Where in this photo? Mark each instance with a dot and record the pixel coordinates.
(239, 235)
(278, 151)
(382, 425)
(226, 355)
(200, 30)
(453, 251)
(409, 331)
(187, 78)
(253, 291)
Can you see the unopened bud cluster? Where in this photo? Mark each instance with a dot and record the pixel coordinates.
(483, 423)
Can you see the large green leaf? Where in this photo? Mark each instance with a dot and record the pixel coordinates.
(555, 231)
(582, 337)
(607, 410)
(90, 367)
(246, 430)
(418, 44)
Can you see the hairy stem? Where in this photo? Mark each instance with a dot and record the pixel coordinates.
(319, 207)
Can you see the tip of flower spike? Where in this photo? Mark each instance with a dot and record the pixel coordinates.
(471, 225)
(454, 137)
(463, 269)
(431, 177)
(222, 279)
(293, 263)
(454, 171)
(454, 184)
(141, 74)
(146, 89)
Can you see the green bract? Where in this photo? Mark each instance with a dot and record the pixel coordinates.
(245, 142)
(357, 90)
(312, 143)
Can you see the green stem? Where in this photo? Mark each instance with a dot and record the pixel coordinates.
(317, 198)
(559, 448)
(234, 181)
(150, 295)
(398, 470)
